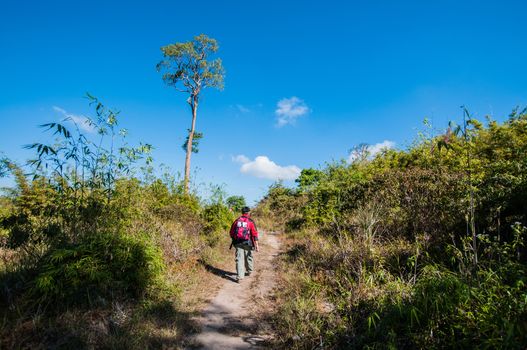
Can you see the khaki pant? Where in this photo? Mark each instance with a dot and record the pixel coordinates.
(244, 259)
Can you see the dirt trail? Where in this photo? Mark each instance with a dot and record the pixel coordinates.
(229, 321)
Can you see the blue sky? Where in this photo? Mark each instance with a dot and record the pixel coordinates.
(306, 80)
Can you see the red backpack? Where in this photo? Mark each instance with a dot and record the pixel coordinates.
(241, 229)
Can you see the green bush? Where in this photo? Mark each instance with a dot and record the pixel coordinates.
(93, 237)
(97, 268)
(422, 248)
(445, 311)
(236, 203)
(218, 219)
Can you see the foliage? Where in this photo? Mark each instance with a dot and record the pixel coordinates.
(217, 216)
(64, 213)
(96, 268)
(195, 142)
(94, 234)
(187, 64)
(4, 165)
(277, 208)
(422, 248)
(236, 203)
(309, 178)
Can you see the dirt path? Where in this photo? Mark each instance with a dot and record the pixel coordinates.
(229, 322)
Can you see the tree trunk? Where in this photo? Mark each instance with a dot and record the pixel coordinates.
(194, 107)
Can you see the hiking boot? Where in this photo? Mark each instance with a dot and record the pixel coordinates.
(248, 274)
(239, 280)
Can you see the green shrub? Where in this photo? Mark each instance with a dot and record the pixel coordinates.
(445, 311)
(422, 248)
(218, 219)
(88, 242)
(99, 267)
(236, 203)
(280, 209)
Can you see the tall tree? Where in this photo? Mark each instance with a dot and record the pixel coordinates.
(188, 68)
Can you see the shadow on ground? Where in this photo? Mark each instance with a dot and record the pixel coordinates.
(158, 325)
(228, 275)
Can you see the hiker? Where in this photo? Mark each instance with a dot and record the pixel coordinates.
(244, 239)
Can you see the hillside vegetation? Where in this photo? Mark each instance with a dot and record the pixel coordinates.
(97, 251)
(414, 249)
(407, 249)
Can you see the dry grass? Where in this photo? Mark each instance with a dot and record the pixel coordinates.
(164, 323)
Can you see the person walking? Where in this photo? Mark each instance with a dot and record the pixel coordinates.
(244, 239)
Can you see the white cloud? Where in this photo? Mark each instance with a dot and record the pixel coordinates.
(82, 122)
(243, 109)
(264, 168)
(372, 150)
(380, 146)
(289, 109)
(240, 159)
